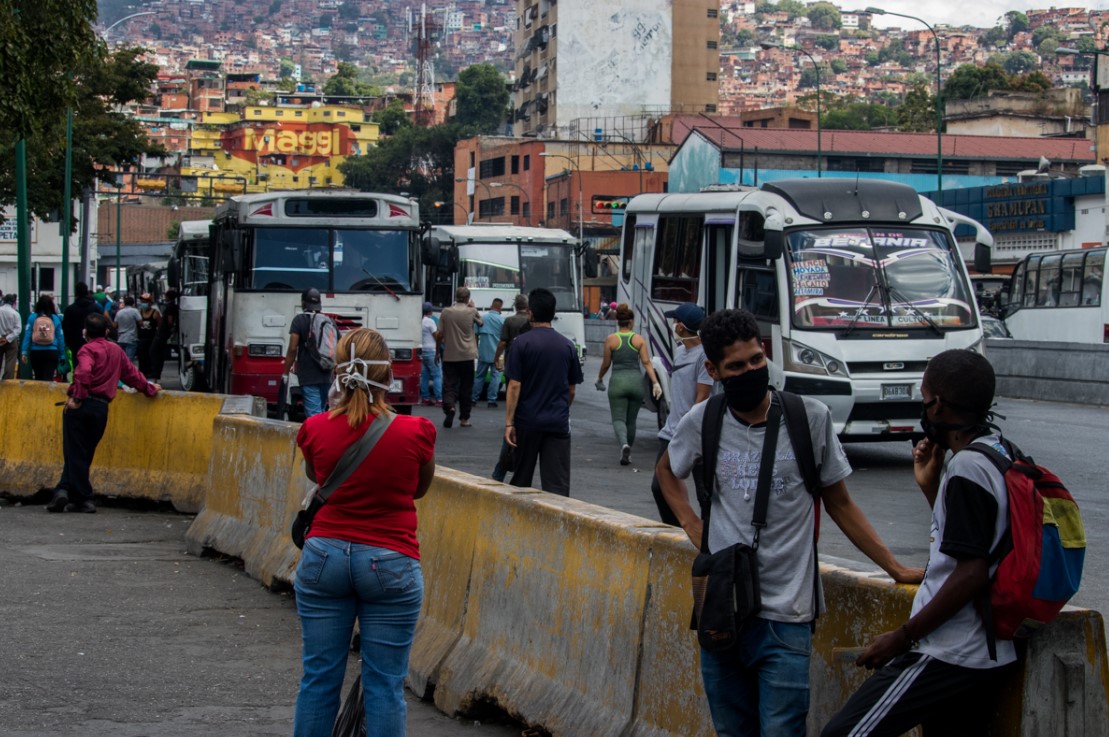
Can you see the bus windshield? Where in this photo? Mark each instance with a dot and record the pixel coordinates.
(876, 278)
(362, 260)
(519, 269)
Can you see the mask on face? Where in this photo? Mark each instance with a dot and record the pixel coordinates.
(937, 431)
(682, 338)
(144, 305)
(746, 391)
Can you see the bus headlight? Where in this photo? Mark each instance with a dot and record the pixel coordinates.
(802, 359)
(401, 354)
(264, 350)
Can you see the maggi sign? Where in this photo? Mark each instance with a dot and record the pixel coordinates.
(325, 142)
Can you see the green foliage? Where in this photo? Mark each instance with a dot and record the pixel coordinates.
(287, 84)
(275, 7)
(346, 83)
(1086, 45)
(349, 10)
(795, 8)
(481, 96)
(173, 231)
(1032, 82)
(101, 137)
(1047, 47)
(810, 77)
(996, 36)
(827, 41)
(970, 81)
(824, 16)
(859, 116)
(287, 68)
(255, 96)
(1020, 62)
(1017, 23)
(917, 114)
(744, 37)
(838, 65)
(392, 118)
(1043, 33)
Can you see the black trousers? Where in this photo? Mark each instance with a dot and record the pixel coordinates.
(44, 363)
(664, 512)
(82, 429)
(458, 387)
(551, 452)
(946, 700)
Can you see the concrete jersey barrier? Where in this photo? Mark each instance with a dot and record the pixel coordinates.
(155, 449)
(576, 617)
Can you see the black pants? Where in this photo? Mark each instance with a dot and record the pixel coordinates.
(458, 387)
(947, 700)
(158, 352)
(43, 364)
(82, 429)
(145, 358)
(664, 512)
(551, 450)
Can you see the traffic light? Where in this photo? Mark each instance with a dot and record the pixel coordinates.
(609, 204)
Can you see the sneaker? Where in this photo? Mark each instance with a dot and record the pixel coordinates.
(625, 455)
(492, 405)
(438, 402)
(465, 423)
(59, 502)
(85, 507)
(448, 419)
(427, 403)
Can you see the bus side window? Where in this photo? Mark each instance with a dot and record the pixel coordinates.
(1031, 274)
(628, 248)
(1047, 295)
(1071, 290)
(1016, 288)
(677, 259)
(759, 293)
(1092, 278)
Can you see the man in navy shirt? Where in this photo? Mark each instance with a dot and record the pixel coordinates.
(543, 372)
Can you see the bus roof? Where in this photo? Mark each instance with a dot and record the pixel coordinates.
(193, 230)
(498, 233)
(688, 202)
(394, 209)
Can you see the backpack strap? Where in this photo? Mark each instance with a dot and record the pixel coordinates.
(711, 425)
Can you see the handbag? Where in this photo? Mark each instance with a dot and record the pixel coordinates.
(726, 583)
(351, 459)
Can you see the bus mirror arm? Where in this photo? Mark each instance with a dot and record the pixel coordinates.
(774, 240)
(430, 251)
(983, 258)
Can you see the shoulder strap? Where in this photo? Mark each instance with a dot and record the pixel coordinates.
(354, 455)
(766, 468)
(800, 436)
(711, 424)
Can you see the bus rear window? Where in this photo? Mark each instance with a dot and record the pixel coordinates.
(315, 207)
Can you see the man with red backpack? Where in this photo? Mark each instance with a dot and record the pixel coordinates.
(937, 669)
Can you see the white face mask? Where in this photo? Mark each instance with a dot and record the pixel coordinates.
(348, 377)
(682, 338)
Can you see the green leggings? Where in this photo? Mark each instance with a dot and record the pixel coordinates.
(625, 397)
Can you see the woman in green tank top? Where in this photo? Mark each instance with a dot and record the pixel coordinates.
(626, 351)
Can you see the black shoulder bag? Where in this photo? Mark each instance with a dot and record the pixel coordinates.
(351, 459)
(726, 583)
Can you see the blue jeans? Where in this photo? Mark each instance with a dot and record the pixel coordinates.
(432, 373)
(479, 380)
(760, 688)
(314, 397)
(337, 581)
(130, 349)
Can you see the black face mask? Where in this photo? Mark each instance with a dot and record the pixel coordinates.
(746, 391)
(937, 431)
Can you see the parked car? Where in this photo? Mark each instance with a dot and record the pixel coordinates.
(994, 328)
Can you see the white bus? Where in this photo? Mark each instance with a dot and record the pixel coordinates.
(1059, 297)
(360, 250)
(188, 274)
(855, 283)
(505, 260)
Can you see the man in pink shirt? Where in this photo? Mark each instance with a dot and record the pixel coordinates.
(101, 365)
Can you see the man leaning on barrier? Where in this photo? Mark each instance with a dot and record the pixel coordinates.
(760, 686)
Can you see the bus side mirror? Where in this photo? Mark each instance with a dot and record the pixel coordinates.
(429, 251)
(448, 259)
(983, 258)
(774, 244)
(591, 263)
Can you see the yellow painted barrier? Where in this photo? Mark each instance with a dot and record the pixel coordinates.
(256, 485)
(576, 618)
(154, 449)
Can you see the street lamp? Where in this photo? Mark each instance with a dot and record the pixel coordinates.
(440, 203)
(939, 110)
(527, 200)
(1095, 87)
(816, 68)
(488, 193)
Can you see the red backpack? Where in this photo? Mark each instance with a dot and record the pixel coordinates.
(1040, 556)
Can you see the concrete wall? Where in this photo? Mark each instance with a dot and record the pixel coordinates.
(1067, 372)
(596, 331)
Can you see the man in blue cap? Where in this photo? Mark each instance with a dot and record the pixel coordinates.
(690, 384)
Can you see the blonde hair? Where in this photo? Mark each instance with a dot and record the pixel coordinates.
(359, 403)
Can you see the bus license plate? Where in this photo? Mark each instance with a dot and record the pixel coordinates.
(897, 391)
(396, 387)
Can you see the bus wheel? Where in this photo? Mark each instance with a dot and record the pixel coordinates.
(189, 375)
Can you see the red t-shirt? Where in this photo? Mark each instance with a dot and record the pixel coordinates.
(376, 504)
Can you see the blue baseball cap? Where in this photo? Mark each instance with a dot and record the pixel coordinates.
(428, 307)
(688, 314)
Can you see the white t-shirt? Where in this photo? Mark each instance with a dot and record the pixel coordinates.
(961, 640)
(428, 328)
(786, 551)
(688, 371)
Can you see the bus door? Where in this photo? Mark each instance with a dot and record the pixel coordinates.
(717, 262)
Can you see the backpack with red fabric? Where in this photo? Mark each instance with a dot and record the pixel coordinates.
(1041, 554)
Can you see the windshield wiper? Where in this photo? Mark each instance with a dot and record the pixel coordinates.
(381, 284)
(906, 303)
(866, 303)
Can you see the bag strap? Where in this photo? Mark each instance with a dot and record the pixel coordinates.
(711, 428)
(354, 455)
(800, 437)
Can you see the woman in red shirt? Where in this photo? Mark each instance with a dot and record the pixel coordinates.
(361, 557)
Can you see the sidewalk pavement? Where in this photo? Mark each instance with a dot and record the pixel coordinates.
(111, 630)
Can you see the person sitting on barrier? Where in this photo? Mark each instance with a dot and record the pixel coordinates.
(760, 685)
(101, 366)
(361, 557)
(936, 669)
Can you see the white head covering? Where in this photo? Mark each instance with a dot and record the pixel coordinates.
(351, 375)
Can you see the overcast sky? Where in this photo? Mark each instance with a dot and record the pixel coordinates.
(982, 13)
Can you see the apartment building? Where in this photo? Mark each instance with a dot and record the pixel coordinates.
(577, 59)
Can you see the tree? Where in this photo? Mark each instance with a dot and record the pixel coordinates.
(1043, 33)
(838, 65)
(345, 83)
(287, 84)
(481, 96)
(419, 161)
(859, 116)
(827, 41)
(1017, 23)
(996, 36)
(1047, 47)
(287, 68)
(102, 137)
(392, 118)
(1086, 45)
(1032, 82)
(795, 8)
(824, 16)
(970, 81)
(1020, 62)
(810, 77)
(917, 114)
(744, 37)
